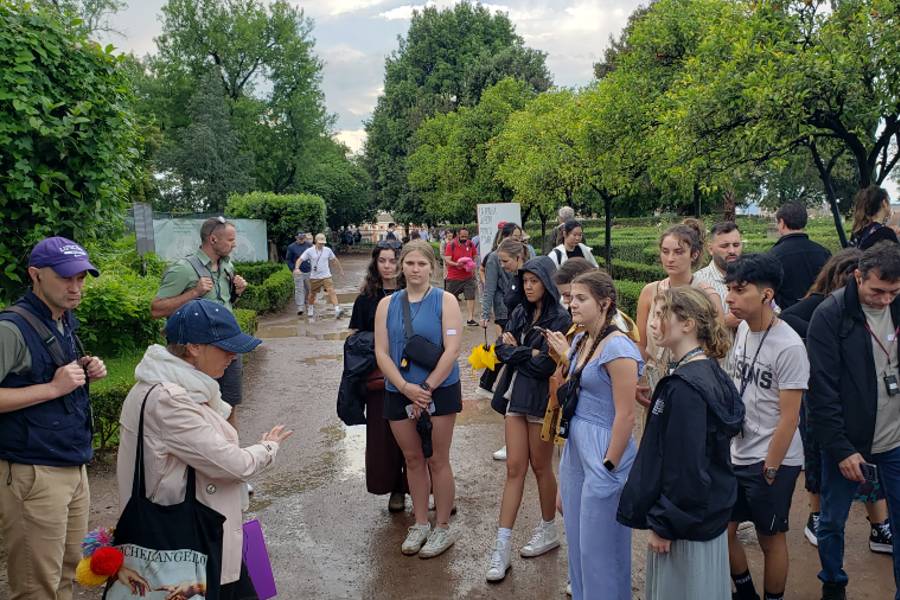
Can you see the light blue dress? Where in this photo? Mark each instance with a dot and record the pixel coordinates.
(599, 547)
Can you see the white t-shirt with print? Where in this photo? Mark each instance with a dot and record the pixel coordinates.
(319, 265)
(782, 364)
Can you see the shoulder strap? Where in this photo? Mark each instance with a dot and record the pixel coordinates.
(138, 483)
(51, 342)
(559, 256)
(407, 320)
(199, 268)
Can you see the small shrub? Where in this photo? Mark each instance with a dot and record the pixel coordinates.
(115, 314)
(258, 272)
(271, 294)
(636, 271)
(247, 319)
(629, 292)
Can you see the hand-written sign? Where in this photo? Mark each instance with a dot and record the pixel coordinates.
(489, 215)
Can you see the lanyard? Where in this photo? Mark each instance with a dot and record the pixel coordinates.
(688, 356)
(747, 374)
(880, 345)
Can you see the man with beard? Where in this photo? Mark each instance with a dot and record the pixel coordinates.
(725, 246)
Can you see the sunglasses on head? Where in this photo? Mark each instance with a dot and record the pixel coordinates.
(389, 244)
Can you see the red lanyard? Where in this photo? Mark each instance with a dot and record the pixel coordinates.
(878, 341)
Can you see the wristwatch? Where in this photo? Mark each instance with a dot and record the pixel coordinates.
(610, 465)
(770, 473)
(424, 385)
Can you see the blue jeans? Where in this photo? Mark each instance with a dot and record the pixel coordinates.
(836, 497)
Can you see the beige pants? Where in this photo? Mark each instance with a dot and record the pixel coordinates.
(43, 518)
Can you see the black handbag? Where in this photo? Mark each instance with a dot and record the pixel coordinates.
(176, 549)
(418, 350)
(567, 393)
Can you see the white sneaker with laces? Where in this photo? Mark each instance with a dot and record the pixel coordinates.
(499, 564)
(416, 537)
(544, 539)
(500, 454)
(440, 539)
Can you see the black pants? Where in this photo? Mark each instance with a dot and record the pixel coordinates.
(242, 589)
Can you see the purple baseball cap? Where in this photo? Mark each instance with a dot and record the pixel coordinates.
(62, 255)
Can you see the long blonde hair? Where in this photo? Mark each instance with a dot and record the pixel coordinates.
(688, 303)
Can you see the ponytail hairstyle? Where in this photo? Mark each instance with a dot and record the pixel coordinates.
(690, 234)
(866, 205)
(513, 248)
(688, 303)
(601, 287)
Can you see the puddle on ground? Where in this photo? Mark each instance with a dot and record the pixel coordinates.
(276, 331)
(345, 459)
(314, 360)
(339, 336)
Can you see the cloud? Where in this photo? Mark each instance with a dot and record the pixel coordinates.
(352, 138)
(342, 54)
(335, 8)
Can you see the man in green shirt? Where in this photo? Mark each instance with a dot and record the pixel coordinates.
(208, 273)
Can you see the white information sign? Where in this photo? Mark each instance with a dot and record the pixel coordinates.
(489, 215)
(177, 238)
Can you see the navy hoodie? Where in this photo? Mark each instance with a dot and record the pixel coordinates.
(531, 388)
(682, 484)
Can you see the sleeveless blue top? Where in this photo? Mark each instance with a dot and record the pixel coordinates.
(426, 318)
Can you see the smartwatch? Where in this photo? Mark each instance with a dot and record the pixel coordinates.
(770, 473)
(424, 385)
(610, 465)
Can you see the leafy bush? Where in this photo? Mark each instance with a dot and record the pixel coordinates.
(629, 292)
(108, 394)
(115, 314)
(68, 141)
(256, 273)
(636, 271)
(270, 295)
(284, 215)
(246, 318)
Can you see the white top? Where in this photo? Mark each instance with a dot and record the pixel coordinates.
(712, 276)
(319, 261)
(558, 255)
(782, 364)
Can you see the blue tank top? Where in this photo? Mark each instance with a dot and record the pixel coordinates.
(426, 318)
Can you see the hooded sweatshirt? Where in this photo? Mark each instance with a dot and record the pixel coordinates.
(682, 484)
(524, 386)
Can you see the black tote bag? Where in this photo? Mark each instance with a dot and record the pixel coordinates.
(174, 549)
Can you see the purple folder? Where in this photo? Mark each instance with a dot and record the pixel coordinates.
(256, 557)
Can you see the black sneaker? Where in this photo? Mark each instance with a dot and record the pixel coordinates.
(811, 531)
(472, 323)
(881, 539)
(833, 591)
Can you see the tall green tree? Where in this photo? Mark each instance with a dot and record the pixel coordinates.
(449, 170)
(68, 142)
(446, 61)
(774, 78)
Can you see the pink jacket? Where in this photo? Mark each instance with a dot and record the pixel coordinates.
(179, 431)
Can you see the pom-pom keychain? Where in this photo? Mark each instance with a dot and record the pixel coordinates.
(101, 560)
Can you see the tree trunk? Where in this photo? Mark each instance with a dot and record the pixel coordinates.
(825, 176)
(607, 233)
(729, 208)
(697, 206)
(543, 219)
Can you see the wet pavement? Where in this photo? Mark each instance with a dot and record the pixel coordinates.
(328, 538)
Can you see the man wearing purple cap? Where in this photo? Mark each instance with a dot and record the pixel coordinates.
(45, 424)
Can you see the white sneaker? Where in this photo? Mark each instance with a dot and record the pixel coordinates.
(310, 312)
(338, 311)
(440, 539)
(499, 564)
(416, 537)
(500, 454)
(544, 539)
(569, 589)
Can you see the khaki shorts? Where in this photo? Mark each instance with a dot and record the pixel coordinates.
(317, 285)
(466, 287)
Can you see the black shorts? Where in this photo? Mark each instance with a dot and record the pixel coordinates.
(767, 506)
(466, 287)
(230, 383)
(447, 401)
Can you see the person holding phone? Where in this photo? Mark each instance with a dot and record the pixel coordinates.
(413, 389)
(854, 401)
(521, 395)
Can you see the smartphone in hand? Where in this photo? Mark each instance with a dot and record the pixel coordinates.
(869, 472)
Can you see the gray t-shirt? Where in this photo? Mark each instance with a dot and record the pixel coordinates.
(887, 416)
(782, 364)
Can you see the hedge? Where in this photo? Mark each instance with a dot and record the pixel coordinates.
(115, 314)
(636, 271)
(257, 272)
(284, 214)
(629, 292)
(271, 294)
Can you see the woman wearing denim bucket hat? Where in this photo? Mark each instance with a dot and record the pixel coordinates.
(184, 426)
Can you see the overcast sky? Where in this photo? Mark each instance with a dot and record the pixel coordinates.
(353, 37)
